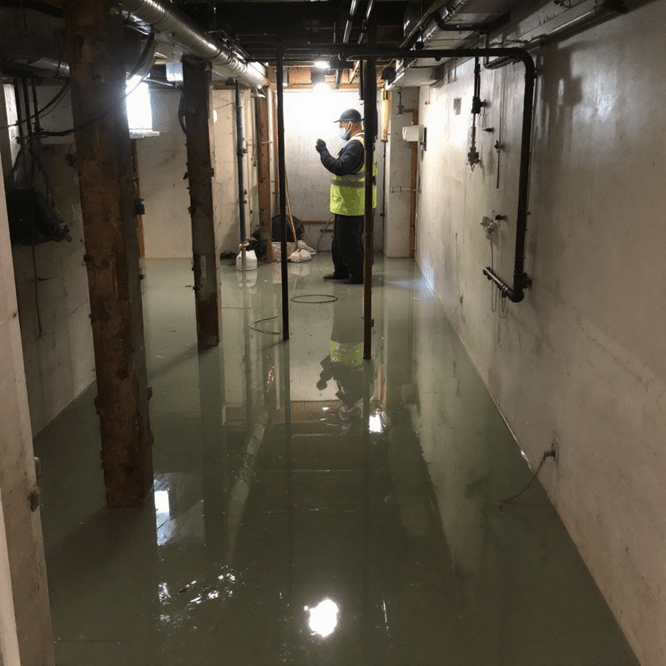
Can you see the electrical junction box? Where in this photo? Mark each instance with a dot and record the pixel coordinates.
(413, 133)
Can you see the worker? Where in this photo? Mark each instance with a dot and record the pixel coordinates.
(347, 198)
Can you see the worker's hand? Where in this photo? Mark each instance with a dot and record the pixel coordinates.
(320, 146)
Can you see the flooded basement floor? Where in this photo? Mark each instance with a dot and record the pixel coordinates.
(310, 508)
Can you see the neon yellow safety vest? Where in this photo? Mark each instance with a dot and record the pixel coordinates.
(347, 353)
(348, 191)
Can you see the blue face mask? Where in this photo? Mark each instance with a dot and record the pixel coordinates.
(344, 133)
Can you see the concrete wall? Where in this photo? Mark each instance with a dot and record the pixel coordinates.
(398, 174)
(21, 528)
(59, 362)
(163, 165)
(309, 116)
(582, 358)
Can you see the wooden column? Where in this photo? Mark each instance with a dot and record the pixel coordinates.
(94, 39)
(200, 160)
(264, 167)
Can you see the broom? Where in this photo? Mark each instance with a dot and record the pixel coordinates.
(301, 255)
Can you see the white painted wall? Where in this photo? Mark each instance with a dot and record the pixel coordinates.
(21, 531)
(583, 357)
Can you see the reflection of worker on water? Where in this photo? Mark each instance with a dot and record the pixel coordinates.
(345, 362)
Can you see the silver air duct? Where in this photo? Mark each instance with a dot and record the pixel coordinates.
(180, 29)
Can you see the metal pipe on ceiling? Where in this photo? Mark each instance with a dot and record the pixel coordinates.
(366, 20)
(429, 24)
(165, 18)
(346, 35)
(350, 22)
(607, 9)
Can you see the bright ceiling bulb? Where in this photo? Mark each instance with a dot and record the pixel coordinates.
(322, 64)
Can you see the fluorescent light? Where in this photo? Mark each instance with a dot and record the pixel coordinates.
(322, 64)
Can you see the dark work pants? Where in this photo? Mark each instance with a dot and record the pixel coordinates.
(347, 246)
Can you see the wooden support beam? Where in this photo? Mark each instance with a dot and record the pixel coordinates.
(264, 169)
(200, 159)
(93, 36)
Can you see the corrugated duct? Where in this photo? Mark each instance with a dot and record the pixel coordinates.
(165, 18)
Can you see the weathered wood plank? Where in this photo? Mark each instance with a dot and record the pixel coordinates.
(200, 160)
(94, 40)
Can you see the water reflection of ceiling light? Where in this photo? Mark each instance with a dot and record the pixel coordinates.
(376, 423)
(323, 618)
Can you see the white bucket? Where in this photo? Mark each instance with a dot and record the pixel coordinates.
(250, 261)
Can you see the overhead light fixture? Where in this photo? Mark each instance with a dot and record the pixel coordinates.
(322, 64)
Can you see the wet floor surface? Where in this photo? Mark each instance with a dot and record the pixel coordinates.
(310, 508)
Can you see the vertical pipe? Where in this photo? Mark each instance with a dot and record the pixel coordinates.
(370, 113)
(240, 151)
(524, 175)
(283, 194)
(412, 188)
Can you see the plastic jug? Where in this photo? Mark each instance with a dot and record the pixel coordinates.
(250, 261)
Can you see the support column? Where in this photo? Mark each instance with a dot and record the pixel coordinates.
(25, 616)
(200, 160)
(264, 167)
(94, 36)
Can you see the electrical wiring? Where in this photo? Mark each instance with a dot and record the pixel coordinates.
(100, 116)
(56, 100)
(29, 179)
(547, 454)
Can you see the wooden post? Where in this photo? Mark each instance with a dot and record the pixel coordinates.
(93, 37)
(264, 168)
(200, 160)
